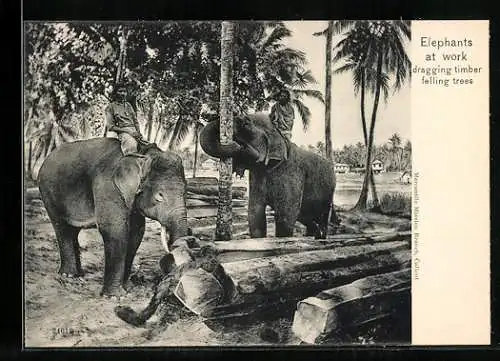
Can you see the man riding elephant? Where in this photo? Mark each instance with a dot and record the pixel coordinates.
(282, 115)
(121, 121)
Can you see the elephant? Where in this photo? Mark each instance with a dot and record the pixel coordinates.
(90, 183)
(297, 184)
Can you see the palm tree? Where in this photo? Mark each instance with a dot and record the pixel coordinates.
(374, 50)
(334, 27)
(50, 135)
(223, 228)
(396, 150)
(387, 41)
(122, 55)
(352, 50)
(272, 67)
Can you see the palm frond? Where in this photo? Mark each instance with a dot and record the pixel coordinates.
(316, 94)
(339, 26)
(304, 79)
(321, 33)
(290, 56)
(350, 66)
(304, 112)
(279, 33)
(179, 133)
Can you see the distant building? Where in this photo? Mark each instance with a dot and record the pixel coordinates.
(377, 166)
(342, 168)
(209, 164)
(405, 177)
(358, 170)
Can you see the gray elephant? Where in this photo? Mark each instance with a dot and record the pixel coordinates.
(297, 184)
(90, 183)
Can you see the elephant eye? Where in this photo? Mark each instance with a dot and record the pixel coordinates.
(159, 196)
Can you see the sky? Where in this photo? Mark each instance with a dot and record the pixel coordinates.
(392, 117)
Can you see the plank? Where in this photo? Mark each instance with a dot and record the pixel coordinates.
(364, 300)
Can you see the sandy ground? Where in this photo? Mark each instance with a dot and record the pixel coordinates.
(59, 313)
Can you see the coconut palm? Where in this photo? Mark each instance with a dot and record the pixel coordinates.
(334, 27)
(271, 67)
(375, 51)
(50, 135)
(223, 228)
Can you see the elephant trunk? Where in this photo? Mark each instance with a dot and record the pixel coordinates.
(176, 227)
(210, 143)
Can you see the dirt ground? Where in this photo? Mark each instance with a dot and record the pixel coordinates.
(59, 313)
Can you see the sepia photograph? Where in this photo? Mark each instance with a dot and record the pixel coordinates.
(217, 183)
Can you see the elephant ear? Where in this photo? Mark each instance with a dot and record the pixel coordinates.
(277, 148)
(129, 175)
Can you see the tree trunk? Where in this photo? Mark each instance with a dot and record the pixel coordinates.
(266, 247)
(29, 160)
(363, 197)
(363, 114)
(150, 122)
(291, 276)
(224, 221)
(376, 202)
(336, 309)
(196, 130)
(158, 131)
(175, 133)
(122, 54)
(328, 91)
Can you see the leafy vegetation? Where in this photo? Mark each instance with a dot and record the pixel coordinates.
(173, 69)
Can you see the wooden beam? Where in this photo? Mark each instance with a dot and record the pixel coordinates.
(365, 300)
(238, 250)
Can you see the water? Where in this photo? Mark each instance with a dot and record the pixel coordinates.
(348, 186)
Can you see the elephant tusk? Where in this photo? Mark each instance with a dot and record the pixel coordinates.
(163, 237)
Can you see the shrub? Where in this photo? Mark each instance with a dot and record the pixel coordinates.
(395, 203)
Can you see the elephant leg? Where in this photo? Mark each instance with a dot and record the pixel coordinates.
(114, 231)
(257, 222)
(311, 228)
(67, 241)
(284, 228)
(69, 249)
(322, 229)
(285, 218)
(287, 201)
(137, 227)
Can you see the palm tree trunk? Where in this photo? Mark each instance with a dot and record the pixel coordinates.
(363, 115)
(328, 91)
(29, 160)
(149, 124)
(376, 202)
(122, 54)
(363, 197)
(195, 150)
(223, 228)
(158, 129)
(175, 133)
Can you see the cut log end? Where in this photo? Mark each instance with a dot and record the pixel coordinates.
(365, 300)
(199, 290)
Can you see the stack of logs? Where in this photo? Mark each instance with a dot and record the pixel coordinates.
(203, 197)
(338, 283)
